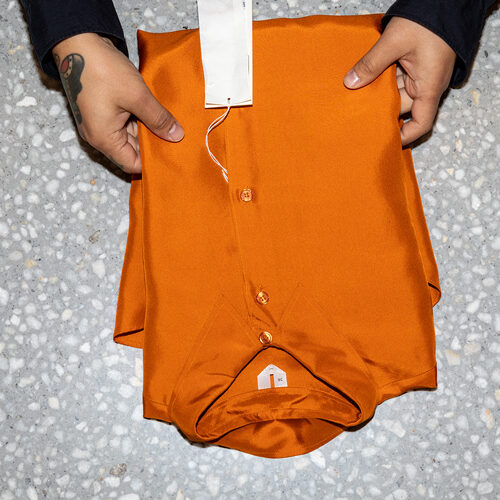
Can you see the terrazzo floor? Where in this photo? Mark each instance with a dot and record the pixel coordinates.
(71, 424)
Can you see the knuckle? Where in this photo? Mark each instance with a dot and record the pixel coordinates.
(432, 95)
(422, 129)
(366, 65)
(162, 119)
(426, 124)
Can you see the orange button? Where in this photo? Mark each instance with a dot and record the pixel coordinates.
(246, 194)
(262, 297)
(265, 337)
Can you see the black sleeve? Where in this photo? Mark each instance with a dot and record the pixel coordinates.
(458, 22)
(50, 21)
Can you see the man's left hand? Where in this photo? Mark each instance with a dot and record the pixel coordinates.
(427, 61)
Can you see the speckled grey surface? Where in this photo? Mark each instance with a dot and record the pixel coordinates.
(71, 422)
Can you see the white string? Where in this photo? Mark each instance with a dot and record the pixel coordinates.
(214, 124)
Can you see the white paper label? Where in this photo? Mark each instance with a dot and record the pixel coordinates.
(264, 377)
(225, 28)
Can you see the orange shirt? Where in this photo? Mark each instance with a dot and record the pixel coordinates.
(278, 309)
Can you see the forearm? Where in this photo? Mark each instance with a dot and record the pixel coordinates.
(51, 21)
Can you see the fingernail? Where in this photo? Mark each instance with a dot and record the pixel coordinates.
(175, 133)
(351, 79)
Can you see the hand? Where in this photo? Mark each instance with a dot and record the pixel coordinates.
(427, 61)
(104, 88)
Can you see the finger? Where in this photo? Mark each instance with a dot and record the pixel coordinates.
(406, 100)
(423, 112)
(123, 153)
(381, 55)
(144, 105)
(133, 127)
(134, 142)
(132, 135)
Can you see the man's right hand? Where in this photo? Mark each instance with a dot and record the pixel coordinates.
(104, 88)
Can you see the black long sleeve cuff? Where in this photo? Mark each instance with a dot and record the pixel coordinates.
(50, 21)
(458, 22)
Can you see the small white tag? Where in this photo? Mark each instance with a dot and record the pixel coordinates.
(264, 377)
(226, 50)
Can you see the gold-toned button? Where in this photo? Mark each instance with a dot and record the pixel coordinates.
(265, 337)
(262, 297)
(246, 194)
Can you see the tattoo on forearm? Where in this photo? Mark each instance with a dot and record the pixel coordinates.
(71, 71)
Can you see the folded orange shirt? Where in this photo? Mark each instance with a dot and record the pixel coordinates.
(279, 309)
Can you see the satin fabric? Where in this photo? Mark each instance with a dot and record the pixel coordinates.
(335, 234)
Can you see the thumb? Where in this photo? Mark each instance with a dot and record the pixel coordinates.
(158, 119)
(373, 63)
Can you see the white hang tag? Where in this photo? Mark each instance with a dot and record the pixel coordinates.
(264, 377)
(226, 49)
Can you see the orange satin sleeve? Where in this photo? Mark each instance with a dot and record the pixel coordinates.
(279, 309)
